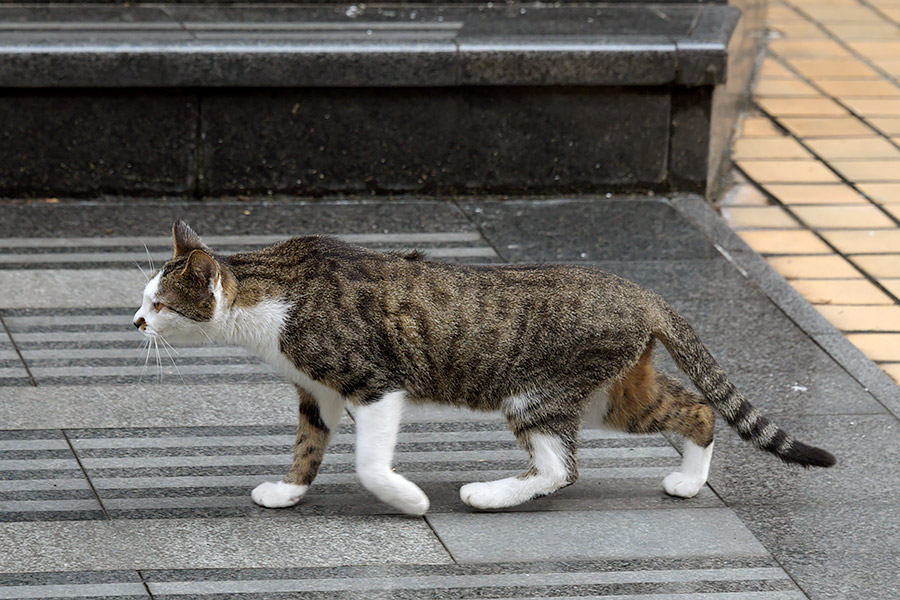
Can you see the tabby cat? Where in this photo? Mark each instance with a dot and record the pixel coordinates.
(549, 346)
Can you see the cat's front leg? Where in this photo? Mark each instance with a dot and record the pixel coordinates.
(377, 424)
(317, 420)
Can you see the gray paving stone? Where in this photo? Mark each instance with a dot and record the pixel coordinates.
(268, 215)
(572, 230)
(744, 476)
(273, 541)
(149, 405)
(78, 289)
(485, 537)
(853, 575)
(704, 279)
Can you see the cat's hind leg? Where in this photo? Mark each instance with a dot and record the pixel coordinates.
(549, 433)
(644, 401)
(377, 424)
(317, 420)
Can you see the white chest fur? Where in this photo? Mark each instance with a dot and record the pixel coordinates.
(258, 328)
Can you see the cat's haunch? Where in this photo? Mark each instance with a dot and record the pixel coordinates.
(552, 347)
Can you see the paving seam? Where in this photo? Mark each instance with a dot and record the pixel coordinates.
(18, 351)
(804, 315)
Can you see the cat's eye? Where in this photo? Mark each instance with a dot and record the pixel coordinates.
(158, 306)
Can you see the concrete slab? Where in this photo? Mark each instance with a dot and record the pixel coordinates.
(148, 405)
(274, 541)
(575, 535)
(743, 476)
(567, 230)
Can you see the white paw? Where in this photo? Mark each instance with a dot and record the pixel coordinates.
(277, 494)
(408, 498)
(491, 494)
(681, 485)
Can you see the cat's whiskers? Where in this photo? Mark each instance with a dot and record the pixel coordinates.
(141, 269)
(149, 343)
(149, 257)
(159, 372)
(203, 331)
(166, 347)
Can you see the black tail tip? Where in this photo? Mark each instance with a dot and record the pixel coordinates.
(809, 456)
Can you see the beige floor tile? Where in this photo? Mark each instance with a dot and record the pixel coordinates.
(886, 125)
(758, 127)
(864, 31)
(853, 148)
(842, 14)
(798, 30)
(879, 49)
(874, 107)
(778, 88)
(862, 318)
(787, 171)
(837, 193)
(890, 66)
(744, 194)
(893, 209)
(840, 291)
(780, 13)
(892, 285)
(830, 68)
(825, 127)
(759, 217)
(868, 241)
(802, 107)
(772, 69)
(882, 266)
(832, 266)
(853, 88)
(877, 346)
(858, 216)
(789, 241)
(773, 147)
(883, 193)
(808, 49)
(804, 3)
(883, 171)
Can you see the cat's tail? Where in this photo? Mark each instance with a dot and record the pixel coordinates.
(698, 364)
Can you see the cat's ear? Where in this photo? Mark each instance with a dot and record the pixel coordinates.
(202, 266)
(185, 240)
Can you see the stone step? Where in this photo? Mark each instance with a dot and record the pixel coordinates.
(211, 100)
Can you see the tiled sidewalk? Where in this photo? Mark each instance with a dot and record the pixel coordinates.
(818, 193)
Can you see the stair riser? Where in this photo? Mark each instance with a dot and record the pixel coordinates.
(338, 140)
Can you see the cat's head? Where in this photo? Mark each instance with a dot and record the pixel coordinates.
(183, 301)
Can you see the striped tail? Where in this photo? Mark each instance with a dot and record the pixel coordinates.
(694, 359)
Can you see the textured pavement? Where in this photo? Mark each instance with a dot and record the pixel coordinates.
(820, 158)
(121, 477)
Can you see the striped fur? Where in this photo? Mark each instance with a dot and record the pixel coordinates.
(536, 342)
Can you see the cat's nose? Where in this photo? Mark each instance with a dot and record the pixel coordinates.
(140, 323)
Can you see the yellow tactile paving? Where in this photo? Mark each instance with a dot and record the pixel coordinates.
(822, 203)
(841, 291)
(782, 171)
(883, 193)
(853, 148)
(855, 216)
(827, 193)
(830, 266)
(759, 217)
(769, 147)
